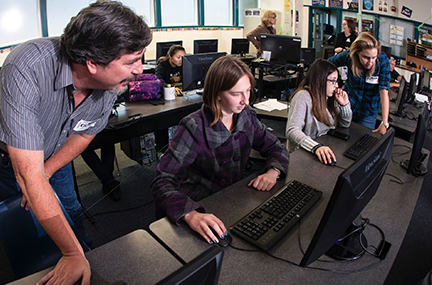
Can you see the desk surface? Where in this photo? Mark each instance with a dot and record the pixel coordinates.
(405, 126)
(393, 202)
(138, 118)
(135, 258)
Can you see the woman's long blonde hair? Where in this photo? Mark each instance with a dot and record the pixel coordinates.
(365, 40)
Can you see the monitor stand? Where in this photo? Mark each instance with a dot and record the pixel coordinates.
(419, 169)
(348, 247)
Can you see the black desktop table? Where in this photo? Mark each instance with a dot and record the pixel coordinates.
(404, 126)
(391, 209)
(135, 258)
(142, 117)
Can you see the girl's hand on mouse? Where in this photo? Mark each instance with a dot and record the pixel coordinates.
(325, 154)
(201, 223)
(341, 97)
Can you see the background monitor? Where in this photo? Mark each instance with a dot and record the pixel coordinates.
(163, 47)
(400, 100)
(205, 46)
(386, 50)
(413, 165)
(240, 46)
(282, 48)
(410, 96)
(308, 55)
(354, 189)
(195, 67)
(202, 270)
(424, 81)
(328, 29)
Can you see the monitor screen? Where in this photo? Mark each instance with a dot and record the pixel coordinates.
(413, 165)
(308, 55)
(163, 47)
(282, 48)
(410, 96)
(195, 67)
(205, 46)
(328, 29)
(424, 81)
(400, 100)
(386, 50)
(203, 270)
(239, 46)
(354, 189)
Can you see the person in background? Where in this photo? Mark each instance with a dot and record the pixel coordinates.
(268, 20)
(345, 38)
(395, 77)
(368, 81)
(55, 95)
(317, 106)
(211, 149)
(169, 68)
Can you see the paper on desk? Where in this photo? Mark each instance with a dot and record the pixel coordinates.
(421, 98)
(270, 105)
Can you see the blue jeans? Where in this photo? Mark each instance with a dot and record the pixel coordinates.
(62, 183)
(369, 121)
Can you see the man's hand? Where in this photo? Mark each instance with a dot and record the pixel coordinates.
(69, 270)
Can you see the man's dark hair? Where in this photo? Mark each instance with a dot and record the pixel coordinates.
(104, 31)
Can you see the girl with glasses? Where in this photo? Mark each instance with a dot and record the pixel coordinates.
(317, 106)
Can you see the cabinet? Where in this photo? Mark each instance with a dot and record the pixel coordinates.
(419, 54)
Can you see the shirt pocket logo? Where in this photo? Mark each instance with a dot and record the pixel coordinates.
(83, 125)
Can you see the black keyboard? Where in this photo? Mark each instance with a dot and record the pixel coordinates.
(361, 146)
(271, 220)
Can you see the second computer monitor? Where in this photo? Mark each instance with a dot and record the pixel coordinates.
(163, 47)
(195, 67)
(205, 46)
(410, 96)
(398, 111)
(282, 48)
(308, 55)
(239, 46)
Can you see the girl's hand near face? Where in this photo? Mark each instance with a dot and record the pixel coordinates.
(341, 97)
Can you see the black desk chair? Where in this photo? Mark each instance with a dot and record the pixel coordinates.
(28, 247)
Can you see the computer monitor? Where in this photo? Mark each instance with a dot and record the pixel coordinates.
(282, 48)
(410, 96)
(163, 47)
(239, 46)
(308, 55)
(195, 67)
(413, 165)
(400, 100)
(328, 29)
(386, 50)
(203, 270)
(424, 81)
(354, 189)
(205, 46)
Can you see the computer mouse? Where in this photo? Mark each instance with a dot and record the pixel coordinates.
(223, 242)
(180, 94)
(331, 163)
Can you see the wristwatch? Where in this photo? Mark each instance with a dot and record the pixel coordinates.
(385, 124)
(278, 171)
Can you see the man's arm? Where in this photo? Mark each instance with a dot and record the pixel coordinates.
(30, 174)
(385, 108)
(73, 147)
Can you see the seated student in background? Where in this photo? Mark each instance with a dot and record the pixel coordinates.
(345, 38)
(169, 68)
(395, 77)
(368, 81)
(268, 19)
(317, 106)
(211, 149)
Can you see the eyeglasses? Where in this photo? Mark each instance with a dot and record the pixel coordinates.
(334, 82)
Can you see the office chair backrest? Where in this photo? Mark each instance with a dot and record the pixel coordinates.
(328, 52)
(28, 247)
